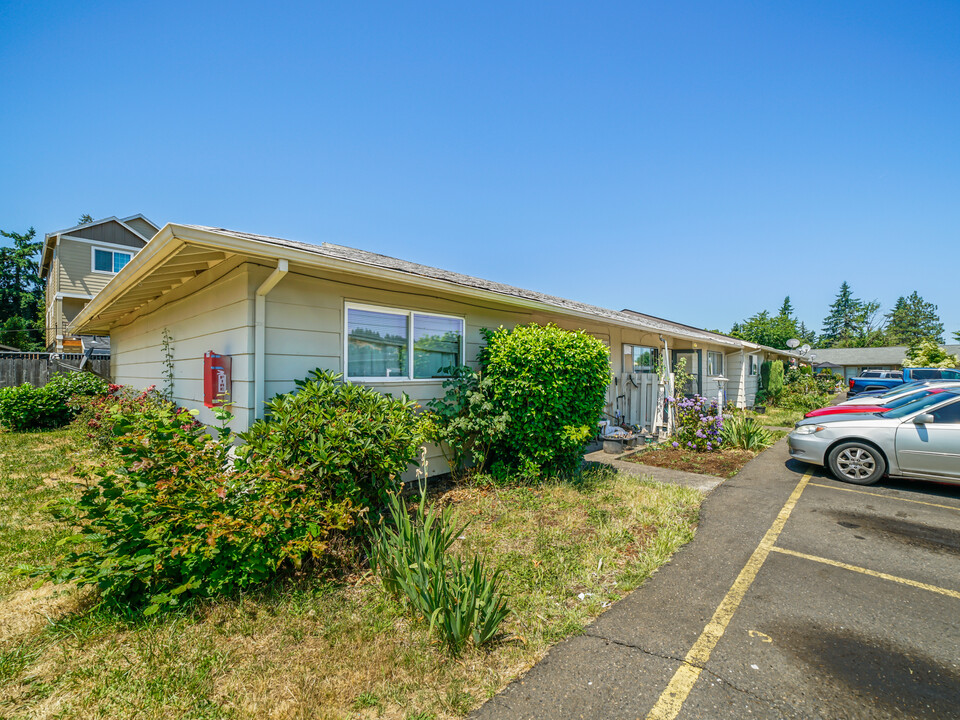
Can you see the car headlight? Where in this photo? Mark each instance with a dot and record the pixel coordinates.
(808, 429)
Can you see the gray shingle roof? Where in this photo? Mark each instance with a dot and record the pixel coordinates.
(341, 252)
(863, 357)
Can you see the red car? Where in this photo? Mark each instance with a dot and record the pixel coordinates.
(900, 401)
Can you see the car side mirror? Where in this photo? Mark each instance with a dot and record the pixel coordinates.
(923, 419)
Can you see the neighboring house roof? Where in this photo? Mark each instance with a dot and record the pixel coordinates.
(193, 249)
(49, 240)
(864, 357)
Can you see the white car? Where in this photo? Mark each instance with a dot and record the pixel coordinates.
(899, 391)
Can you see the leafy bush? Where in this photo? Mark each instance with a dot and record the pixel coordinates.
(828, 382)
(745, 433)
(27, 407)
(463, 422)
(175, 521)
(461, 601)
(87, 384)
(699, 424)
(348, 441)
(552, 384)
(927, 353)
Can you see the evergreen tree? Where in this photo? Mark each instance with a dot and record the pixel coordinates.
(852, 322)
(85, 219)
(21, 291)
(913, 319)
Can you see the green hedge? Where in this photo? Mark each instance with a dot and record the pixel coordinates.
(552, 385)
(28, 407)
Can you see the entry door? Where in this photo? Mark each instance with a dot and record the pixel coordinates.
(693, 386)
(932, 448)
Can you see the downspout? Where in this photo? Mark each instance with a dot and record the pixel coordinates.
(260, 335)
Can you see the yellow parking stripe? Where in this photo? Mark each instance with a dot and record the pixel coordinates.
(871, 573)
(888, 497)
(671, 700)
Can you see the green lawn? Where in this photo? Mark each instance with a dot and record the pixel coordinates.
(309, 646)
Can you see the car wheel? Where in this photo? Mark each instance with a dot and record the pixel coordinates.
(857, 463)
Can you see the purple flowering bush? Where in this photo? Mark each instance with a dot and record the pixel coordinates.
(699, 424)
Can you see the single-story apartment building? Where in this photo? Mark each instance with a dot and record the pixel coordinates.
(850, 362)
(280, 308)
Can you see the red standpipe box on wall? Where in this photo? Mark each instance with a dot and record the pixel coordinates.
(216, 379)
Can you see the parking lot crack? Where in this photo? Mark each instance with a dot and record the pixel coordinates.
(782, 706)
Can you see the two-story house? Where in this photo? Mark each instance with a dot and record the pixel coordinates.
(77, 262)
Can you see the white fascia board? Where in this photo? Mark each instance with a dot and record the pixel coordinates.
(153, 253)
(142, 217)
(89, 224)
(132, 249)
(72, 296)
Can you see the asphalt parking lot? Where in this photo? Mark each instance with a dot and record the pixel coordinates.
(800, 597)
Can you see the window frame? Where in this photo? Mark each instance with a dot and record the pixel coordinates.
(655, 354)
(708, 372)
(113, 252)
(753, 365)
(409, 314)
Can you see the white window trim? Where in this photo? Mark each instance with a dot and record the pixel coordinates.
(387, 310)
(112, 251)
(719, 355)
(655, 350)
(753, 365)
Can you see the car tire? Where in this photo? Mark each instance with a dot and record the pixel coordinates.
(856, 462)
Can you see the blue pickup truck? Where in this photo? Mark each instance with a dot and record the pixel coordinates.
(870, 380)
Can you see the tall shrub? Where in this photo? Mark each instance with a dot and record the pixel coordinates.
(552, 384)
(348, 440)
(775, 380)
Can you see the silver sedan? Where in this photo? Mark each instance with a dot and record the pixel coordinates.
(919, 440)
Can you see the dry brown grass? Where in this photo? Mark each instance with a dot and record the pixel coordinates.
(308, 647)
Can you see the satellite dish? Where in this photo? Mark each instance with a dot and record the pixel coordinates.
(805, 349)
(792, 343)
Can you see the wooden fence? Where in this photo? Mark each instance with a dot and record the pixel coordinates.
(37, 368)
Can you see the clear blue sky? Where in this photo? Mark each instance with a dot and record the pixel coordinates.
(695, 160)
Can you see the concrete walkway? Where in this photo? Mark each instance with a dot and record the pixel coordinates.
(704, 483)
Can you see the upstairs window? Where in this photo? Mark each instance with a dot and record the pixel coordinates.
(714, 363)
(381, 342)
(109, 261)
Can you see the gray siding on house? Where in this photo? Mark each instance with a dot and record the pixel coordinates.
(109, 232)
(142, 227)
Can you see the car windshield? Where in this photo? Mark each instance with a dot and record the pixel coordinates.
(901, 389)
(910, 397)
(918, 404)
